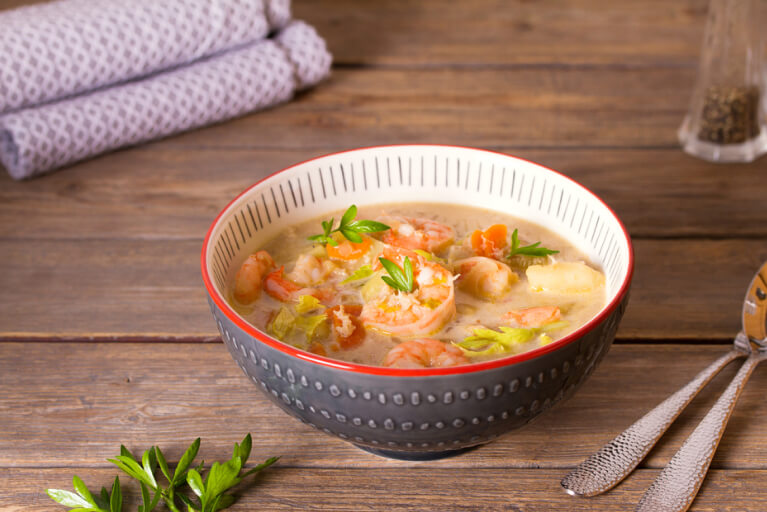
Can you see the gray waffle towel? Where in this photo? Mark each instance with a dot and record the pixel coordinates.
(221, 86)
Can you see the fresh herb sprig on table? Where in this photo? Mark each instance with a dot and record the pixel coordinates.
(210, 491)
(348, 227)
(527, 250)
(399, 278)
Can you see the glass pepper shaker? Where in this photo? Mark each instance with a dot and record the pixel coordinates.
(726, 119)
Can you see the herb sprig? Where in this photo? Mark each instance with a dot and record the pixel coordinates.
(209, 493)
(527, 250)
(399, 278)
(348, 227)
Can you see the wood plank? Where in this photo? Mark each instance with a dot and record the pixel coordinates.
(73, 404)
(151, 289)
(501, 32)
(283, 487)
(154, 193)
(539, 107)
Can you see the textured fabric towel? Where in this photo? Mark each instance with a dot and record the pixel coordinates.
(39, 139)
(67, 47)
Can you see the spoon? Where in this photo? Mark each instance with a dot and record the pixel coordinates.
(618, 458)
(676, 486)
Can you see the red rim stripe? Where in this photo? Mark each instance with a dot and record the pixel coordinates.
(422, 372)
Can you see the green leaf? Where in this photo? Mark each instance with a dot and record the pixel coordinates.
(224, 501)
(401, 278)
(68, 498)
(103, 499)
(368, 226)
(116, 501)
(363, 272)
(145, 497)
(82, 490)
(268, 462)
(307, 303)
(149, 463)
(487, 342)
(243, 449)
(351, 235)
(349, 215)
(126, 452)
(528, 250)
(162, 463)
(186, 460)
(222, 476)
(131, 468)
(194, 480)
(282, 324)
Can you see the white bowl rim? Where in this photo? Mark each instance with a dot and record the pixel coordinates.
(240, 322)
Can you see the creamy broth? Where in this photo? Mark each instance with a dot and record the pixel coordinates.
(489, 292)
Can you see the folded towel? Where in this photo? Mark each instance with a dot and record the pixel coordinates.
(62, 48)
(262, 74)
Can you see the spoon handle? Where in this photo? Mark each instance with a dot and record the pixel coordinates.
(615, 460)
(676, 486)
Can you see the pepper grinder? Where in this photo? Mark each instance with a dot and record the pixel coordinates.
(726, 119)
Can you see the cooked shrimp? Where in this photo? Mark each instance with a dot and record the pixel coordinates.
(286, 290)
(424, 353)
(247, 282)
(412, 233)
(347, 328)
(423, 311)
(534, 317)
(310, 270)
(485, 277)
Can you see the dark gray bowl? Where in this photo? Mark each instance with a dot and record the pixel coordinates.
(429, 413)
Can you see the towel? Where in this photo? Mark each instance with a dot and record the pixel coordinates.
(67, 47)
(258, 75)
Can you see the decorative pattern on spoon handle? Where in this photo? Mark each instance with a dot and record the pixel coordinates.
(678, 483)
(615, 460)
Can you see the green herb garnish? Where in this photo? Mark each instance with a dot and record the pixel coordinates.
(348, 227)
(210, 491)
(527, 250)
(399, 278)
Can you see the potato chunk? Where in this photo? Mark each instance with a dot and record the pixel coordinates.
(564, 278)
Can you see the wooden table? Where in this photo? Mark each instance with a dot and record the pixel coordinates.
(106, 338)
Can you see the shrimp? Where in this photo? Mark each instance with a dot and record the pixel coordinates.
(412, 233)
(247, 282)
(286, 290)
(423, 311)
(534, 317)
(347, 327)
(424, 353)
(485, 277)
(310, 270)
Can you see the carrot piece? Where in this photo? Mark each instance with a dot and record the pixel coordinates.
(348, 250)
(534, 317)
(340, 317)
(488, 242)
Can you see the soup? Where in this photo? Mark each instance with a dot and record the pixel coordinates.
(417, 285)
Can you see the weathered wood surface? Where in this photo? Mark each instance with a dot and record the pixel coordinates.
(143, 288)
(154, 193)
(73, 404)
(290, 488)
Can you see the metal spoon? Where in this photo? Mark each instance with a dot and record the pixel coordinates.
(676, 486)
(614, 461)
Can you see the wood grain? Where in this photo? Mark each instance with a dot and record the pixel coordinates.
(73, 404)
(285, 487)
(501, 32)
(109, 289)
(155, 193)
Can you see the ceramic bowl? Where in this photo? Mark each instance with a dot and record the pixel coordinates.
(422, 413)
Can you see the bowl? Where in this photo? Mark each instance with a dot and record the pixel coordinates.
(417, 414)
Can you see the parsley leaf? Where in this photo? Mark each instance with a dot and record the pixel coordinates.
(348, 227)
(527, 250)
(399, 278)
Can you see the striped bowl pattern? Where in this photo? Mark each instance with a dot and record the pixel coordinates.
(417, 414)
